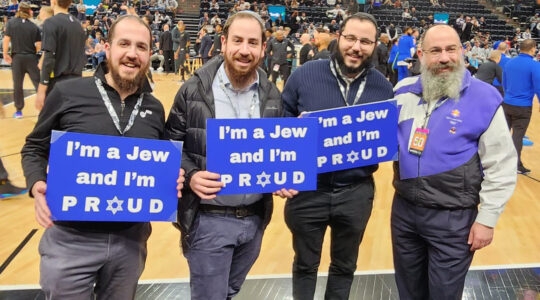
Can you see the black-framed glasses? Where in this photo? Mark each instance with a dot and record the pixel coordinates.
(351, 38)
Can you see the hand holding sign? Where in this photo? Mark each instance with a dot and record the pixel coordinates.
(43, 213)
(206, 184)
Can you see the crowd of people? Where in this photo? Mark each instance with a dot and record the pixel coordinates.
(457, 167)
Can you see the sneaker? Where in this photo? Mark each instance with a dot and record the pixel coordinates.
(160, 70)
(527, 142)
(18, 115)
(8, 190)
(522, 170)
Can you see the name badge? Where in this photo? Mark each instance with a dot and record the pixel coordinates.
(418, 141)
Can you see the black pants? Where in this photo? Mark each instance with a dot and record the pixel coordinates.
(346, 210)
(284, 70)
(21, 65)
(168, 66)
(518, 119)
(431, 254)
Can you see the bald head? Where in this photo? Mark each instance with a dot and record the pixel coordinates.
(440, 32)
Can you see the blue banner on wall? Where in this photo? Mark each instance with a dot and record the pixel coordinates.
(356, 136)
(263, 155)
(109, 178)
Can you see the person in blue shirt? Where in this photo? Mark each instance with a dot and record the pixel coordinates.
(406, 49)
(521, 81)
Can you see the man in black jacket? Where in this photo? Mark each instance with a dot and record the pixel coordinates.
(95, 260)
(221, 235)
(166, 49)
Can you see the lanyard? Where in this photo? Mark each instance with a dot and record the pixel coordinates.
(430, 111)
(252, 106)
(112, 112)
(344, 88)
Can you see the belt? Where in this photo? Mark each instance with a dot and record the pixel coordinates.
(239, 212)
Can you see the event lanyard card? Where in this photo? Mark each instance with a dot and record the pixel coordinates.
(418, 141)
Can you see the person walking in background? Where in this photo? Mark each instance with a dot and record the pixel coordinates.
(166, 49)
(344, 199)
(279, 49)
(221, 235)
(63, 44)
(490, 70)
(521, 82)
(25, 39)
(206, 44)
(95, 260)
(455, 172)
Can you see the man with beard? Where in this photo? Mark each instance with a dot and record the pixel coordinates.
(343, 199)
(456, 170)
(221, 235)
(95, 260)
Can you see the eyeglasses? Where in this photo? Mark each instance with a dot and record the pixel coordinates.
(352, 39)
(436, 51)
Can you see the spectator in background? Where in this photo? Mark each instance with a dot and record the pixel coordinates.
(63, 49)
(206, 45)
(81, 11)
(406, 50)
(521, 82)
(25, 39)
(279, 49)
(380, 59)
(166, 49)
(490, 69)
(304, 55)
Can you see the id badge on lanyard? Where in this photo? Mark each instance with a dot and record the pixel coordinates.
(418, 141)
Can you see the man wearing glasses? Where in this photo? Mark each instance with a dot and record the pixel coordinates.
(455, 173)
(344, 199)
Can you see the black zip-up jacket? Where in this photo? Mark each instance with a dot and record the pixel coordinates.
(193, 104)
(76, 105)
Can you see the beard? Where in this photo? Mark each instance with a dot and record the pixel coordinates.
(346, 70)
(240, 77)
(436, 86)
(128, 84)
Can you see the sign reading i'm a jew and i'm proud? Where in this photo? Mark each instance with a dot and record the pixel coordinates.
(263, 155)
(111, 178)
(356, 136)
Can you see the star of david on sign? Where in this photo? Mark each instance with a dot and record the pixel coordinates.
(115, 205)
(264, 176)
(352, 156)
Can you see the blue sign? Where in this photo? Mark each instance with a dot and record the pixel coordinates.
(263, 155)
(356, 136)
(109, 178)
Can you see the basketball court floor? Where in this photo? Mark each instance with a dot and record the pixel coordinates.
(508, 269)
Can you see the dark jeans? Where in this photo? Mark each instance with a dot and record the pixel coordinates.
(346, 210)
(518, 118)
(21, 65)
(431, 254)
(220, 252)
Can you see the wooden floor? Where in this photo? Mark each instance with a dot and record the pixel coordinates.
(517, 241)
